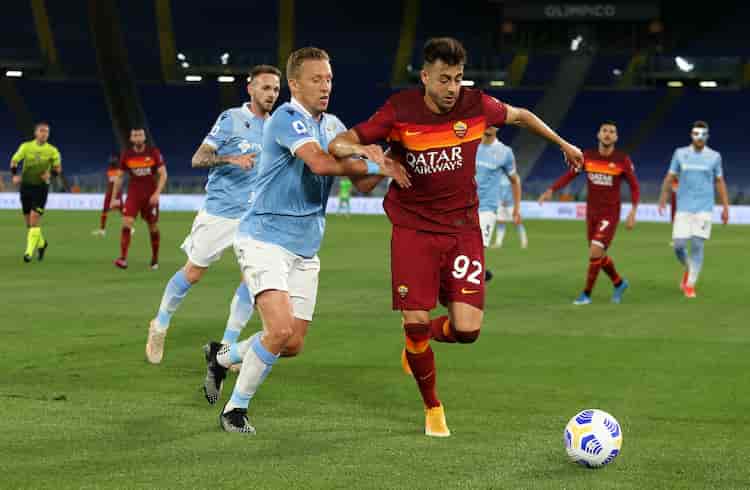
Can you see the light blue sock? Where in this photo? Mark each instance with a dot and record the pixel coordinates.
(240, 312)
(680, 250)
(176, 290)
(256, 365)
(696, 259)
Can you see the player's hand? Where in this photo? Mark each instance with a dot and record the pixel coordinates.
(573, 155)
(725, 215)
(244, 161)
(114, 203)
(393, 169)
(545, 196)
(516, 216)
(371, 152)
(630, 222)
(154, 199)
(662, 207)
(16, 179)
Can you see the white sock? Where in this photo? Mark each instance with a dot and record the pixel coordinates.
(256, 365)
(500, 234)
(240, 312)
(234, 353)
(522, 234)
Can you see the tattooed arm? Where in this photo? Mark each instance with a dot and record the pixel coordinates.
(206, 157)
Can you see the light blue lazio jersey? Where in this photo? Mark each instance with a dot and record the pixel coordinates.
(229, 188)
(697, 171)
(290, 200)
(495, 163)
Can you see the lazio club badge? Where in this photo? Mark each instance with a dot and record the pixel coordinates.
(460, 128)
(403, 290)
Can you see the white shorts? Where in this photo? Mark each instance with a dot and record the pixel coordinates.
(208, 238)
(487, 224)
(267, 266)
(505, 213)
(688, 225)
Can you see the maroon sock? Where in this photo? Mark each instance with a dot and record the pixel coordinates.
(422, 361)
(124, 242)
(155, 247)
(595, 264)
(608, 266)
(442, 330)
(103, 221)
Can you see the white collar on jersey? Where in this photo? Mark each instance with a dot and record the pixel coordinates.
(247, 111)
(294, 102)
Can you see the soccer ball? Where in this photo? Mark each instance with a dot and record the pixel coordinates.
(593, 438)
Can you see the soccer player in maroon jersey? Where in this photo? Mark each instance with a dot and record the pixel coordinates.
(113, 172)
(144, 165)
(605, 168)
(436, 245)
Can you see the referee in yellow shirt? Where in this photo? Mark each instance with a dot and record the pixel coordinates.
(40, 162)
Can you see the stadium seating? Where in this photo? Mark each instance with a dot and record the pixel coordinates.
(627, 108)
(141, 39)
(80, 124)
(728, 134)
(17, 40)
(73, 39)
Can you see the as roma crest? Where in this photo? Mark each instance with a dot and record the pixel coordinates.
(460, 128)
(403, 290)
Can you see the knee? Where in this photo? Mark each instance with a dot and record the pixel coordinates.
(467, 336)
(281, 335)
(417, 337)
(153, 227)
(680, 244)
(193, 274)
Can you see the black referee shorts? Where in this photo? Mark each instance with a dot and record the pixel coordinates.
(34, 198)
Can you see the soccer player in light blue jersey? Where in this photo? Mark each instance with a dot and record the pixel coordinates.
(699, 168)
(230, 151)
(495, 164)
(278, 238)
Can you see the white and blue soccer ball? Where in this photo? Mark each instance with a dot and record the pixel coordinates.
(593, 438)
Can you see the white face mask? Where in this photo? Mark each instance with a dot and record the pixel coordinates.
(699, 134)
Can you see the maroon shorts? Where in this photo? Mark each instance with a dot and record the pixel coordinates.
(601, 228)
(137, 202)
(428, 266)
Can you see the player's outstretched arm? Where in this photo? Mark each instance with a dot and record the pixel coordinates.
(323, 163)
(526, 119)
(206, 157)
(347, 144)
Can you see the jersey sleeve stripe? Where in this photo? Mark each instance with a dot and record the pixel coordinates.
(297, 144)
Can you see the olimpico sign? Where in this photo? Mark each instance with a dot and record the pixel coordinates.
(580, 11)
(618, 11)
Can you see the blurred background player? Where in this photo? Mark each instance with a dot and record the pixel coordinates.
(436, 243)
(41, 161)
(605, 167)
(113, 172)
(345, 196)
(278, 239)
(495, 161)
(699, 168)
(147, 177)
(230, 151)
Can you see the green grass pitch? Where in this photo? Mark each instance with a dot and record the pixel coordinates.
(80, 407)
